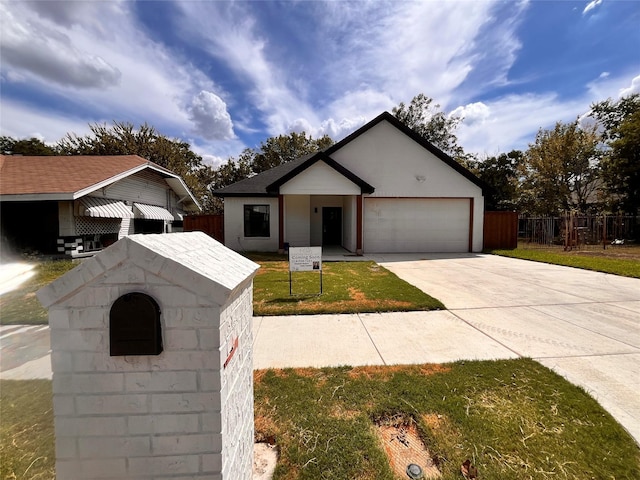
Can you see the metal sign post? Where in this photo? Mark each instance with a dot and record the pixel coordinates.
(305, 259)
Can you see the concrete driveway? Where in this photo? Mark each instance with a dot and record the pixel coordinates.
(584, 325)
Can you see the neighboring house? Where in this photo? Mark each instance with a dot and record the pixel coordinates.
(79, 204)
(381, 189)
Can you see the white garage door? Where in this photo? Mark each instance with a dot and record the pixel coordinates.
(416, 225)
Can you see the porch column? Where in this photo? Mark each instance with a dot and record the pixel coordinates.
(281, 223)
(359, 225)
(471, 224)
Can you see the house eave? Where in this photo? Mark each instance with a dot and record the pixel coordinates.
(365, 188)
(37, 197)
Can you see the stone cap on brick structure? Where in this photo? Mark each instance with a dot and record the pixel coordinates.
(192, 260)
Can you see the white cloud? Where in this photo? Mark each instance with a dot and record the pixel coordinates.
(210, 117)
(612, 87)
(631, 89)
(372, 56)
(100, 45)
(229, 32)
(337, 130)
(23, 121)
(514, 120)
(472, 113)
(591, 5)
(51, 55)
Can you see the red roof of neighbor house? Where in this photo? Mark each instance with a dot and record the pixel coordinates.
(62, 174)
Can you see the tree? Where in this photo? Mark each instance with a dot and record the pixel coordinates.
(500, 174)
(272, 152)
(560, 170)
(425, 118)
(621, 161)
(124, 139)
(284, 148)
(30, 146)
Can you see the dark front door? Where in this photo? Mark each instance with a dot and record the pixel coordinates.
(331, 225)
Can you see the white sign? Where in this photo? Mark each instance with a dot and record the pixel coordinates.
(303, 259)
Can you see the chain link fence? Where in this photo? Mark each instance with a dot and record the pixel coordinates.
(578, 231)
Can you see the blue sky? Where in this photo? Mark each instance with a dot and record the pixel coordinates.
(227, 75)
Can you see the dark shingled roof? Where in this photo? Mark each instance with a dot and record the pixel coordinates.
(256, 186)
(266, 184)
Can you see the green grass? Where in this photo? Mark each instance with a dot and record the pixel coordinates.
(514, 419)
(26, 430)
(21, 306)
(627, 267)
(347, 287)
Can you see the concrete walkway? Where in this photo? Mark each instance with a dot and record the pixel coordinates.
(584, 325)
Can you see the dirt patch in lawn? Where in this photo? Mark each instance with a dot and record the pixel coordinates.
(401, 442)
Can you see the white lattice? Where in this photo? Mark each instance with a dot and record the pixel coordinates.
(91, 226)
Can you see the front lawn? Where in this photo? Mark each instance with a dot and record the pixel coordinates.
(21, 306)
(606, 261)
(347, 287)
(514, 419)
(26, 430)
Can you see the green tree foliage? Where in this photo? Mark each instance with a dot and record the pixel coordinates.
(272, 152)
(560, 170)
(124, 139)
(426, 119)
(500, 174)
(284, 148)
(27, 146)
(621, 163)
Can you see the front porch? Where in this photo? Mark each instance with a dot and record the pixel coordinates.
(330, 221)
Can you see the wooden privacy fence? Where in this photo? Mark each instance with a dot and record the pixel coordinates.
(500, 230)
(212, 225)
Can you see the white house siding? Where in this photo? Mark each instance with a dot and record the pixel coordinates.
(234, 225)
(297, 228)
(416, 225)
(142, 187)
(320, 179)
(397, 167)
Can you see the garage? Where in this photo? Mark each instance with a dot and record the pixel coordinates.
(416, 225)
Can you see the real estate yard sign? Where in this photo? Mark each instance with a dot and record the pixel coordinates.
(305, 259)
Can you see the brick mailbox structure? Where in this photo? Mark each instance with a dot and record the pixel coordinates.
(152, 361)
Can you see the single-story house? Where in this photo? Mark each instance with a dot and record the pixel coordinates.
(383, 188)
(79, 204)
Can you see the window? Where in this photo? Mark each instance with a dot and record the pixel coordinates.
(256, 220)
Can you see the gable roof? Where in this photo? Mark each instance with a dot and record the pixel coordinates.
(256, 186)
(266, 184)
(386, 116)
(70, 177)
(320, 156)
